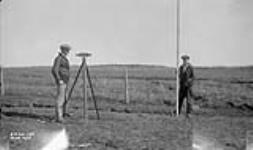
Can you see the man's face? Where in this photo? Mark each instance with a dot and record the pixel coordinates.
(185, 61)
(65, 52)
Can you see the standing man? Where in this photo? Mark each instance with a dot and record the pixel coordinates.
(61, 74)
(186, 77)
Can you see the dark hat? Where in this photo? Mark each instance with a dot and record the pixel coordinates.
(185, 57)
(65, 47)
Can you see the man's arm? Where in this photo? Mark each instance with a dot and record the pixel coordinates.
(191, 75)
(55, 69)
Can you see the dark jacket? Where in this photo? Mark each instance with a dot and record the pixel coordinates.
(186, 76)
(60, 69)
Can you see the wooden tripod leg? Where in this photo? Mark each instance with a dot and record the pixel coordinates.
(85, 97)
(92, 92)
(73, 85)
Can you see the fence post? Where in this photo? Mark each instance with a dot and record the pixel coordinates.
(2, 81)
(1, 87)
(127, 100)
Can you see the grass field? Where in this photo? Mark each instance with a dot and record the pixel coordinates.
(223, 108)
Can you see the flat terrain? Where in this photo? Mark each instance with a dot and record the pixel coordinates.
(223, 108)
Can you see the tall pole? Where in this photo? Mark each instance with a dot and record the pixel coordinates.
(2, 92)
(178, 49)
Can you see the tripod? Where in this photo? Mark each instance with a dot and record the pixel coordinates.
(85, 75)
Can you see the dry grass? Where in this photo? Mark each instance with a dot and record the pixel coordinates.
(223, 95)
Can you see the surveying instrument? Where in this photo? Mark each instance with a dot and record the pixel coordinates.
(86, 77)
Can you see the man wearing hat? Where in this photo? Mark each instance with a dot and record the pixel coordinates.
(61, 74)
(186, 77)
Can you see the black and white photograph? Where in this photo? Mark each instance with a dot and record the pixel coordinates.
(126, 75)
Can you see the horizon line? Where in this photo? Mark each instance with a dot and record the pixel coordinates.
(148, 65)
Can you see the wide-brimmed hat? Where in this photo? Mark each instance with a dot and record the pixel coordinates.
(66, 47)
(185, 57)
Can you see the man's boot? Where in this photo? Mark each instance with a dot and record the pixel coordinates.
(65, 114)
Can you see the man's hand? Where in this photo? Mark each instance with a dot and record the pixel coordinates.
(189, 83)
(61, 82)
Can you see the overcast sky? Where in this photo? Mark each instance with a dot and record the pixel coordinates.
(214, 32)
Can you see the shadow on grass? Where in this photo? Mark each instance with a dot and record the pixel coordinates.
(146, 110)
(27, 115)
(168, 103)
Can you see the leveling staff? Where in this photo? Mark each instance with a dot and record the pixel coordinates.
(186, 77)
(61, 74)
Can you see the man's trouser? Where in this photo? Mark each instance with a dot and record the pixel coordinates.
(60, 101)
(185, 93)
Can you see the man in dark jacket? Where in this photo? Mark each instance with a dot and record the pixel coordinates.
(186, 77)
(61, 74)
